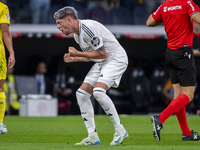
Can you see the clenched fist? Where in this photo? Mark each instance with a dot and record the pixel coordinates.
(67, 58)
(72, 51)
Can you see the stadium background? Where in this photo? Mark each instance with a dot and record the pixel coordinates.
(145, 48)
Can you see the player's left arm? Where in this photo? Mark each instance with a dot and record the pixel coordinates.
(193, 11)
(196, 17)
(100, 53)
(7, 38)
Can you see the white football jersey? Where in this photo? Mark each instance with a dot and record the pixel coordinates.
(94, 35)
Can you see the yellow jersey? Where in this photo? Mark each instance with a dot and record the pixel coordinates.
(4, 18)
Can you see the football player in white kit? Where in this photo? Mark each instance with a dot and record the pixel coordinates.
(98, 44)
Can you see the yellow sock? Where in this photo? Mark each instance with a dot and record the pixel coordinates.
(2, 105)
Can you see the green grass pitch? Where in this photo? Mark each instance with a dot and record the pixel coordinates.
(57, 133)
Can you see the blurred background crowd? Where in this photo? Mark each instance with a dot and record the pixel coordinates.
(104, 11)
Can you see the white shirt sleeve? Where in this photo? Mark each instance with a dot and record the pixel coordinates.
(76, 38)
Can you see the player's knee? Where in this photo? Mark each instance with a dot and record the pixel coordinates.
(82, 95)
(78, 94)
(189, 91)
(98, 93)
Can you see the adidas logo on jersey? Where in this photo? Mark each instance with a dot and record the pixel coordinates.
(101, 75)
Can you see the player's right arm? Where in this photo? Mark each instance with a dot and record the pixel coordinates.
(7, 38)
(100, 53)
(155, 19)
(152, 23)
(68, 59)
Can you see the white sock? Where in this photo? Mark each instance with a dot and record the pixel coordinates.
(93, 134)
(86, 109)
(119, 128)
(108, 106)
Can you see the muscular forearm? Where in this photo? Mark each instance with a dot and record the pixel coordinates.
(69, 59)
(196, 17)
(96, 54)
(81, 59)
(91, 55)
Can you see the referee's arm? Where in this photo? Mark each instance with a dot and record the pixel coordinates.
(196, 17)
(152, 23)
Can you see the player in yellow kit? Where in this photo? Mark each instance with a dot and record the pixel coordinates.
(7, 38)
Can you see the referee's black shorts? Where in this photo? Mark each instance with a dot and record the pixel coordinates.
(181, 66)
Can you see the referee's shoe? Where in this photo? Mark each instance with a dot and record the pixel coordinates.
(192, 137)
(157, 126)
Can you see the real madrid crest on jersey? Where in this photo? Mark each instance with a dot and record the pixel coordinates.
(95, 41)
(84, 40)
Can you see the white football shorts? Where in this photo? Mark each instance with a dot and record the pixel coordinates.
(109, 72)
